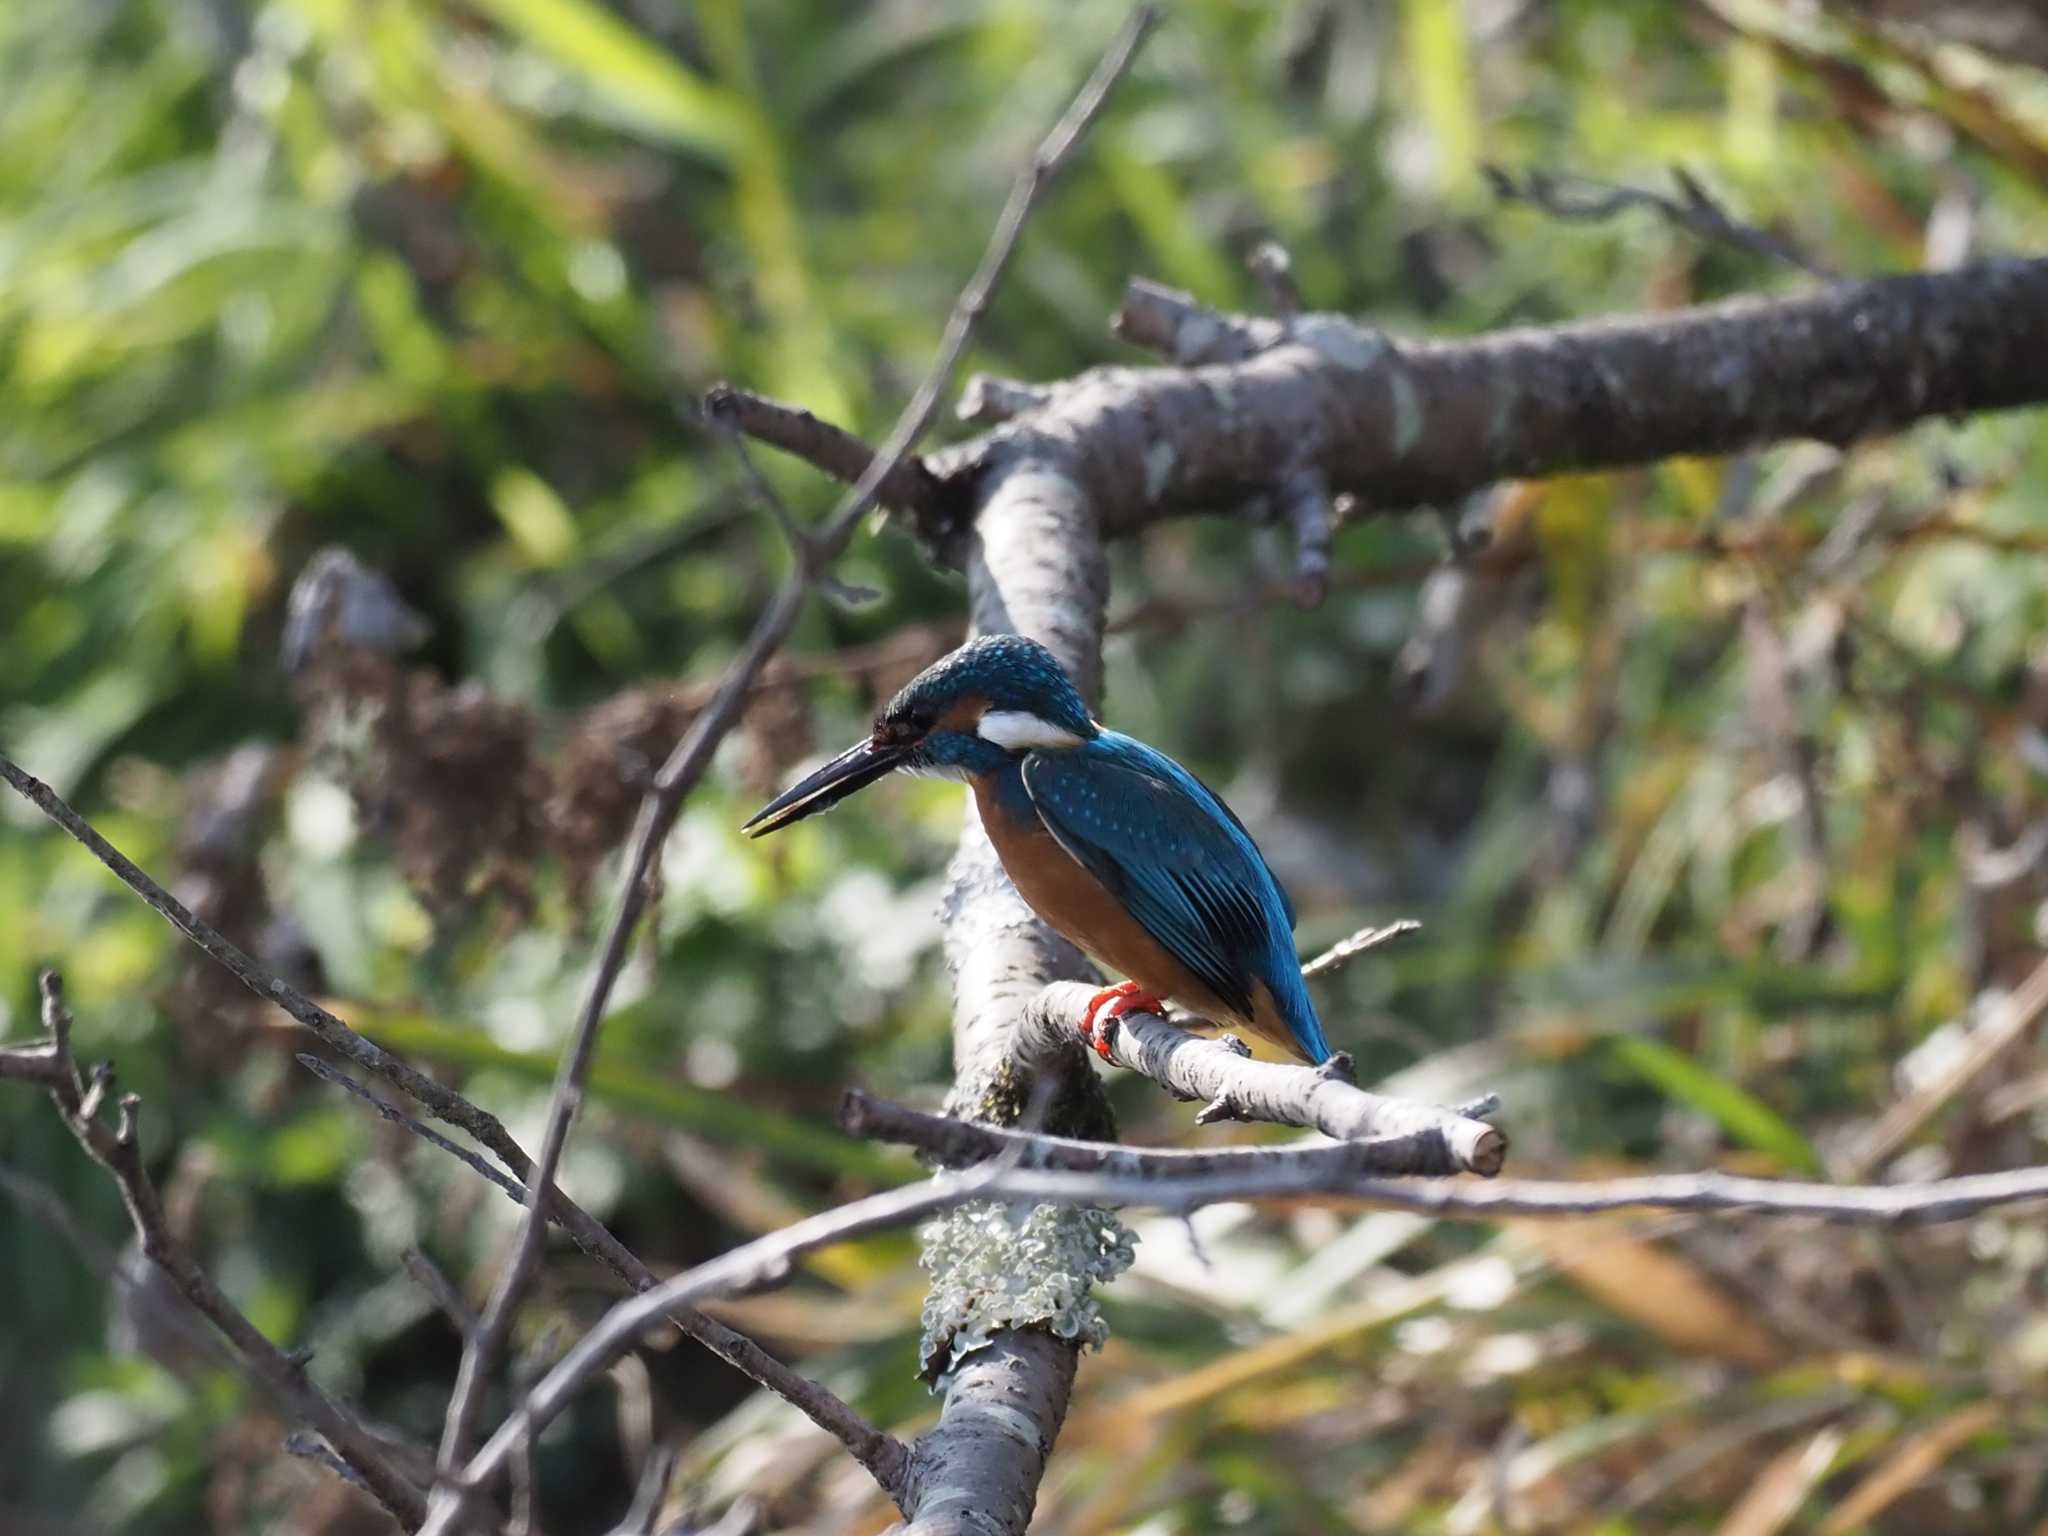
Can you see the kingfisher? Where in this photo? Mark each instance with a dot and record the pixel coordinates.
(1115, 845)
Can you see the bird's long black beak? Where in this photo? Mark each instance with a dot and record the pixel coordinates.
(855, 768)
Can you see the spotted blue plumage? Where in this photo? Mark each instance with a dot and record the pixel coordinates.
(1182, 864)
(1112, 843)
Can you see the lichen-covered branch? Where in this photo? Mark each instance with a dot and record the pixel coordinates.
(1006, 1344)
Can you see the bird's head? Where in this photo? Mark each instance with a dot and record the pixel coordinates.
(968, 713)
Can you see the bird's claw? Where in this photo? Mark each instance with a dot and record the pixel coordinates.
(1125, 997)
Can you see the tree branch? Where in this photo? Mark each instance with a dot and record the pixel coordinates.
(764, 1260)
(692, 755)
(443, 1102)
(1416, 422)
(1345, 950)
(958, 1143)
(881, 1453)
(1294, 1173)
(962, 1491)
(909, 487)
(283, 1377)
(1233, 1086)
(514, 1190)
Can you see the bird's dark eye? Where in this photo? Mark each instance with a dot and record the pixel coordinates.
(896, 730)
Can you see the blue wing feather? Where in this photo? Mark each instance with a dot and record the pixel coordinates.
(1182, 864)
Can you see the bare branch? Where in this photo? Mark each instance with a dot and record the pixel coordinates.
(1184, 331)
(677, 777)
(1989, 1042)
(958, 1143)
(692, 755)
(1151, 1180)
(1583, 200)
(910, 487)
(627, 1321)
(426, 1274)
(1868, 1205)
(1182, 1179)
(514, 1190)
(1406, 423)
(1236, 1087)
(445, 1104)
(1046, 163)
(881, 1453)
(118, 1151)
(813, 561)
(1344, 951)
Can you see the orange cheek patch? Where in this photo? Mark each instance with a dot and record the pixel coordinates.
(963, 716)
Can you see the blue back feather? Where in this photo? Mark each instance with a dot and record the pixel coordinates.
(1183, 864)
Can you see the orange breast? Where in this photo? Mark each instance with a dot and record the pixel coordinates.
(1074, 903)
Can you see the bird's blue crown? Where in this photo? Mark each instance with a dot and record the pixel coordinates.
(1010, 671)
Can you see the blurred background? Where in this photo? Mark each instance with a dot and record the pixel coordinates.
(1721, 788)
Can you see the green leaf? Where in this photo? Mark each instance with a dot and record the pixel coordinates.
(626, 71)
(1738, 1112)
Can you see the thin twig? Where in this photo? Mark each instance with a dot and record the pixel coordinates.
(1047, 162)
(833, 450)
(881, 1453)
(1167, 1177)
(959, 1143)
(426, 1274)
(514, 1190)
(692, 755)
(119, 1152)
(677, 777)
(445, 1104)
(1286, 1173)
(812, 560)
(740, 1269)
(1988, 1043)
(1344, 951)
(1583, 200)
(891, 475)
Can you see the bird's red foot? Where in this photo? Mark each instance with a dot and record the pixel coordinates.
(1125, 997)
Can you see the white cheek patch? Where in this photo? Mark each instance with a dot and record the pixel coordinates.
(1017, 730)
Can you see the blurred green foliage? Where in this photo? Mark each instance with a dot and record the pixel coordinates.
(1690, 829)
